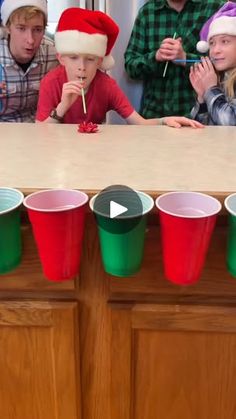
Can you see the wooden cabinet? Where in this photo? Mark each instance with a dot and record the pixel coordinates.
(173, 362)
(102, 347)
(39, 360)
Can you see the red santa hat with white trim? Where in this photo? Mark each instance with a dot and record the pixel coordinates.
(83, 31)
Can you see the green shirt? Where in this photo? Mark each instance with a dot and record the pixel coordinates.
(172, 95)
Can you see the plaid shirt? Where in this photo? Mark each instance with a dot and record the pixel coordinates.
(22, 88)
(217, 109)
(172, 95)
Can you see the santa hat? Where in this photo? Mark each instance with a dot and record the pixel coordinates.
(9, 6)
(223, 22)
(82, 31)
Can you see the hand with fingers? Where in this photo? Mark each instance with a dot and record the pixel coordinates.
(203, 76)
(181, 121)
(170, 49)
(70, 92)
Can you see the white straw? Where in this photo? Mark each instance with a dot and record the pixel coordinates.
(83, 100)
(167, 62)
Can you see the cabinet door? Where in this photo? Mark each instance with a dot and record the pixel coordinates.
(173, 362)
(39, 371)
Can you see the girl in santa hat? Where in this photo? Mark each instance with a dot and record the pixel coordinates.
(214, 78)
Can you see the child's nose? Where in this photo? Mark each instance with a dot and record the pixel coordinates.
(216, 49)
(81, 64)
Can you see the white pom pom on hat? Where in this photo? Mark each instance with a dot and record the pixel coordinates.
(202, 46)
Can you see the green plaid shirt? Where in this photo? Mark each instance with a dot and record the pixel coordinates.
(172, 95)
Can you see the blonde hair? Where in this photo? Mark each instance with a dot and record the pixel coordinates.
(27, 13)
(229, 84)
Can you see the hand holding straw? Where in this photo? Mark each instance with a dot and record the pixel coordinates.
(83, 99)
(167, 62)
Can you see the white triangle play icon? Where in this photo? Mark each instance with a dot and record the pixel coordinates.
(116, 209)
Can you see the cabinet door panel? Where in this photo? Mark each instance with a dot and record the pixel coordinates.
(179, 363)
(39, 372)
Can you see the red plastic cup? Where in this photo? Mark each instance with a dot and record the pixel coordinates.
(187, 221)
(57, 217)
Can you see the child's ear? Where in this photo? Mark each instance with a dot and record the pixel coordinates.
(100, 59)
(60, 59)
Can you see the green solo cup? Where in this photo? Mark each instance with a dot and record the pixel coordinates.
(230, 205)
(122, 238)
(10, 236)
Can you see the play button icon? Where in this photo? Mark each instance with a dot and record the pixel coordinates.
(116, 209)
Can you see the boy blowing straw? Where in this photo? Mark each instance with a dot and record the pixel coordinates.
(84, 40)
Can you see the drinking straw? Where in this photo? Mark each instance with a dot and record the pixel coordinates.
(187, 61)
(197, 60)
(83, 100)
(167, 62)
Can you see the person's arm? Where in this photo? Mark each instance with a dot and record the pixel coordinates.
(221, 111)
(140, 63)
(120, 103)
(170, 121)
(48, 109)
(58, 114)
(46, 102)
(200, 113)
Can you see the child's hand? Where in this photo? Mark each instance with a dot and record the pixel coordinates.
(196, 81)
(70, 92)
(203, 76)
(181, 121)
(207, 71)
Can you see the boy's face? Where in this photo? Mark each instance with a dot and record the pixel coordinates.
(25, 37)
(80, 67)
(223, 52)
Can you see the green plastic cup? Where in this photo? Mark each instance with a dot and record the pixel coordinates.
(122, 238)
(10, 236)
(230, 205)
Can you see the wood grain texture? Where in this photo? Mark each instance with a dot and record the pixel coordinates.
(95, 329)
(184, 317)
(28, 276)
(215, 286)
(39, 372)
(121, 371)
(173, 368)
(184, 375)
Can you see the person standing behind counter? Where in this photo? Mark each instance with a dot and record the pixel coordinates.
(25, 57)
(78, 90)
(151, 45)
(214, 79)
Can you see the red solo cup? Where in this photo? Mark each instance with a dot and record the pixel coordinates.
(187, 221)
(57, 217)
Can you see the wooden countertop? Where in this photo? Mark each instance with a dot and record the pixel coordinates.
(38, 156)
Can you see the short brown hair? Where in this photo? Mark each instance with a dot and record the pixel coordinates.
(27, 12)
